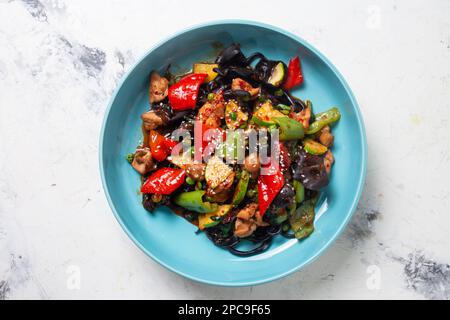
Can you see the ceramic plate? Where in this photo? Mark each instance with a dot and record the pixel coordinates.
(169, 239)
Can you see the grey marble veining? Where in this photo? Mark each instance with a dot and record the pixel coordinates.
(61, 60)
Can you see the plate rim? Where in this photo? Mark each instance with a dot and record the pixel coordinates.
(361, 179)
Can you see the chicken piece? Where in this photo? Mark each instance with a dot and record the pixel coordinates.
(259, 220)
(326, 137)
(216, 172)
(239, 84)
(158, 89)
(328, 161)
(243, 228)
(252, 164)
(218, 197)
(303, 117)
(212, 113)
(196, 171)
(142, 161)
(211, 116)
(222, 192)
(154, 119)
(248, 219)
(248, 212)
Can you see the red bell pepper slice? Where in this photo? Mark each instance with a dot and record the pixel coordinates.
(164, 181)
(157, 146)
(268, 187)
(160, 146)
(295, 75)
(170, 144)
(183, 94)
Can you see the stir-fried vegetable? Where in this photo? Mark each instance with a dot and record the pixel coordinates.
(268, 187)
(160, 146)
(314, 147)
(299, 191)
(323, 119)
(193, 201)
(211, 219)
(130, 157)
(278, 74)
(310, 170)
(164, 181)
(241, 188)
(302, 220)
(183, 95)
(289, 128)
(294, 76)
(206, 68)
(234, 116)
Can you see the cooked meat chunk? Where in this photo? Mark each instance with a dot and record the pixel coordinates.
(252, 164)
(326, 137)
(248, 219)
(259, 220)
(303, 117)
(222, 192)
(239, 84)
(328, 160)
(243, 228)
(248, 212)
(154, 119)
(159, 88)
(212, 113)
(221, 197)
(143, 162)
(216, 172)
(196, 171)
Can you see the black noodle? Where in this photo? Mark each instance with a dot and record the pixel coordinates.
(216, 236)
(262, 237)
(262, 247)
(254, 56)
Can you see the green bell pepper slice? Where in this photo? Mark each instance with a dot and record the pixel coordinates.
(302, 220)
(323, 119)
(193, 201)
(290, 129)
(304, 232)
(261, 123)
(299, 191)
(314, 147)
(241, 188)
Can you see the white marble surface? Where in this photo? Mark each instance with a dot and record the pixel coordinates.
(61, 60)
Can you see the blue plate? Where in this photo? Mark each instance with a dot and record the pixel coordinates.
(169, 239)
